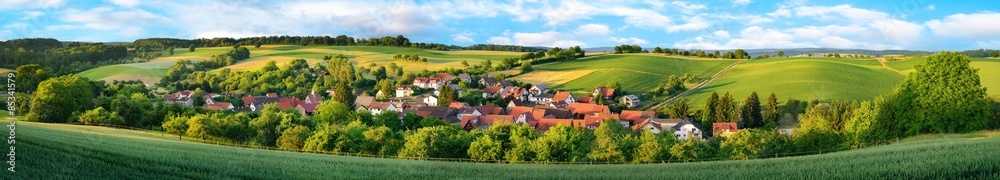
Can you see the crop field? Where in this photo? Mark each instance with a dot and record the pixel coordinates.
(635, 72)
(87, 151)
(803, 79)
(155, 69)
(989, 70)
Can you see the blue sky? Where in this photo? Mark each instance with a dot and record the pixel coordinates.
(749, 24)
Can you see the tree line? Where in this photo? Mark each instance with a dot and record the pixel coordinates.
(51, 54)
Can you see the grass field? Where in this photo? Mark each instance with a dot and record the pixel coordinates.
(989, 71)
(58, 151)
(803, 79)
(635, 72)
(152, 71)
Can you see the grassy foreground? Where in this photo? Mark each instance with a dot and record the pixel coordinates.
(58, 151)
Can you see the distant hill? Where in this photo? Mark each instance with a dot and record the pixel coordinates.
(795, 51)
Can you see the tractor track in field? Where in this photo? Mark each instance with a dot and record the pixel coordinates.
(696, 87)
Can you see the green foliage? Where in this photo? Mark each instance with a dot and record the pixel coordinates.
(688, 150)
(199, 126)
(332, 112)
(562, 143)
(751, 112)
(754, 143)
(606, 143)
(99, 116)
(294, 138)
(771, 111)
(447, 95)
(176, 125)
(431, 122)
(942, 95)
(485, 148)
(388, 119)
(678, 109)
(57, 98)
(382, 141)
(436, 142)
(265, 125)
(29, 76)
(411, 121)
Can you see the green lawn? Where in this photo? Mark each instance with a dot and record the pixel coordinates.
(149, 73)
(58, 151)
(803, 79)
(636, 73)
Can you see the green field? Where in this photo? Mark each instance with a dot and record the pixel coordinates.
(152, 71)
(59, 151)
(636, 73)
(803, 79)
(989, 71)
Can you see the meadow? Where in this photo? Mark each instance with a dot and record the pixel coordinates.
(150, 72)
(803, 79)
(60, 151)
(989, 71)
(635, 72)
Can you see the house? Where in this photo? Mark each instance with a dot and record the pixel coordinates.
(688, 129)
(564, 97)
(629, 101)
(219, 106)
(487, 81)
(607, 92)
(538, 89)
(631, 118)
(490, 109)
(428, 83)
(209, 98)
(514, 92)
(585, 99)
(392, 106)
(492, 91)
(181, 97)
(465, 77)
(457, 89)
(465, 112)
(543, 98)
(558, 104)
(504, 83)
(404, 91)
(592, 122)
(306, 109)
(724, 129)
(446, 114)
(483, 122)
(458, 105)
(515, 103)
(312, 98)
(581, 110)
(651, 125)
(321, 73)
(363, 102)
(431, 100)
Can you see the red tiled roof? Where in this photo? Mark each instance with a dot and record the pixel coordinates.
(561, 96)
(458, 105)
(722, 127)
(218, 106)
(582, 108)
(272, 95)
(489, 109)
(637, 116)
(309, 108)
(608, 92)
(247, 100)
(492, 89)
(585, 99)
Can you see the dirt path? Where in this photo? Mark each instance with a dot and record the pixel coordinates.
(882, 61)
(696, 87)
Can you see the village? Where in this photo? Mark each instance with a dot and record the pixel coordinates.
(538, 106)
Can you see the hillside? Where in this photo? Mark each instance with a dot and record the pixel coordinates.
(989, 70)
(803, 79)
(87, 151)
(152, 71)
(635, 72)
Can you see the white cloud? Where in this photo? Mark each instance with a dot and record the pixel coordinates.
(568, 43)
(630, 40)
(499, 40)
(721, 34)
(967, 26)
(537, 39)
(462, 38)
(592, 29)
(692, 24)
(32, 14)
(688, 8)
(930, 7)
(28, 4)
(127, 23)
(125, 3)
(781, 12)
(741, 2)
(836, 12)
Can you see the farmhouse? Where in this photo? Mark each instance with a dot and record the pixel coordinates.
(219, 106)
(607, 92)
(538, 89)
(431, 100)
(464, 77)
(487, 81)
(492, 91)
(543, 98)
(181, 97)
(428, 83)
(564, 97)
(404, 91)
(724, 129)
(688, 129)
(630, 101)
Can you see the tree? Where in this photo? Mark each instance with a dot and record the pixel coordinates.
(771, 113)
(751, 112)
(942, 95)
(265, 125)
(486, 148)
(270, 66)
(382, 140)
(191, 48)
(388, 119)
(57, 98)
(257, 44)
(431, 122)
(176, 125)
(525, 67)
(343, 93)
(411, 121)
(170, 50)
(649, 150)
(99, 116)
(781, 53)
(332, 112)
(29, 76)
(133, 108)
(436, 142)
(606, 145)
(446, 95)
(562, 143)
(679, 109)
(753, 143)
(294, 138)
(688, 150)
(465, 63)
(710, 112)
(199, 126)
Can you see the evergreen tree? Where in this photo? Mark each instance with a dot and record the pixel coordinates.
(771, 113)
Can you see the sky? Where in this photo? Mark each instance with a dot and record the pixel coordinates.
(724, 24)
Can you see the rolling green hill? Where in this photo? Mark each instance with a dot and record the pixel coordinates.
(989, 71)
(152, 71)
(59, 151)
(635, 72)
(803, 79)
